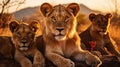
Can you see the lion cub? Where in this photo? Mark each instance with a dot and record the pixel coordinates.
(96, 37)
(61, 39)
(23, 38)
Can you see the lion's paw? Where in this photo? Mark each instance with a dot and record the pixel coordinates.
(68, 63)
(93, 60)
(38, 65)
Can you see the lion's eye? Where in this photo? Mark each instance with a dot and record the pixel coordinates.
(66, 19)
(29, 34)
(19, 35)
(53, 19)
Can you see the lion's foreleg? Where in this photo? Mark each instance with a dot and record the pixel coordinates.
(39, 60)
(113, 49)
(60, 61)
(86, 56)
(24, 62)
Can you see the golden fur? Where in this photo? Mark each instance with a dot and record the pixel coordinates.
(96, 37)
(61, 39)
(23, 38)
(113, 30)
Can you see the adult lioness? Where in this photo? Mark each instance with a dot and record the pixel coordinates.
(60, 36)
(23, 38)
(96, 37)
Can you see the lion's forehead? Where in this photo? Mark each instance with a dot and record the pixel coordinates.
(24, 28)
(60, 11)
(101, 19)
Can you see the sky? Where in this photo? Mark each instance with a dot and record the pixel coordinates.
(102, 5)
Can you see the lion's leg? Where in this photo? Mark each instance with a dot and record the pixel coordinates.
(102, 50)
(88, 57)
(113, 49)
(24, 62)
(39, 60)
(60, 61)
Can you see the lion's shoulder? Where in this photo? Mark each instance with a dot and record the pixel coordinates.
(6, 47)
(40, 44)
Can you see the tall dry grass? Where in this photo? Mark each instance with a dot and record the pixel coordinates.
(4, 22)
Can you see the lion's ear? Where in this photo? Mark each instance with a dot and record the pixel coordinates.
(45, 8)
(108, 15)
(92, 16)
(13, 26)
(34, 25)
(74, 8)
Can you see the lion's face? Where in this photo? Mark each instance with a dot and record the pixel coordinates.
(60, 20)
(100, 22)
(23, 34)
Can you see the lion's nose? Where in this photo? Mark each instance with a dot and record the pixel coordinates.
(60, 29)
(24, 41)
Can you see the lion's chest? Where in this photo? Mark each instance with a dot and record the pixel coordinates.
(69, 48)
(93, 42)
(99, 43)
(63, 48)
(27, 54)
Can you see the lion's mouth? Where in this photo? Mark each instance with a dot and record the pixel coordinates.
(60, 37)
(102, 32)
(23, 48)
(60, 34)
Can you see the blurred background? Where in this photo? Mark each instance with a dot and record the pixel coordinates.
(28, 10)
(100, 5)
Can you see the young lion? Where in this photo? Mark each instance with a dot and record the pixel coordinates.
(96, 37)
(23, 38)
(61, 39)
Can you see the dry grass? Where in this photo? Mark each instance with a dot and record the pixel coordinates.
(4, 22)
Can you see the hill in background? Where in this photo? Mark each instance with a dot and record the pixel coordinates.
(27, 12)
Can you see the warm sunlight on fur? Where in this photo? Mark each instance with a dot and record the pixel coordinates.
(23, 38)
(61, 22)
(114, 30)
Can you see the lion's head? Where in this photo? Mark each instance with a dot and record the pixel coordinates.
(60, 20)
(23, 34)
(100, 23)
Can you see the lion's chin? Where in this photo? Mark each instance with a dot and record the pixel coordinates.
(103, 33)
(60, 38)
(23, 48)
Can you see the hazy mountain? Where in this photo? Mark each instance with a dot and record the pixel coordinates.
(85, 10)
(26, 12)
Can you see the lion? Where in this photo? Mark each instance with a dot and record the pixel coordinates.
(96, 37)
(23, 38)
(62, 42)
